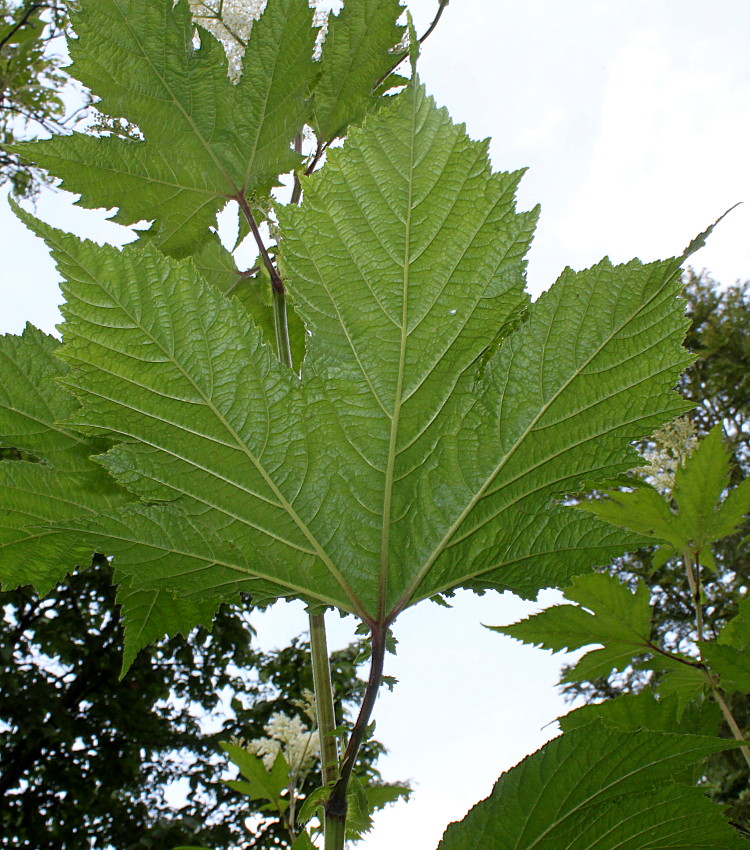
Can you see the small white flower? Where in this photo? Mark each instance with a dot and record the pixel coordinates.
(231, 23)
(266, 749)
(289, 735)
(674, 444)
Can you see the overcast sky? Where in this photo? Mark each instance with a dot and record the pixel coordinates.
(634, 120)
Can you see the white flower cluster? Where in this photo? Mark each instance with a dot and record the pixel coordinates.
(300, 746)
(231, 21)
(674, 444)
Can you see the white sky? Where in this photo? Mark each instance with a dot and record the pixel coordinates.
(633, 119)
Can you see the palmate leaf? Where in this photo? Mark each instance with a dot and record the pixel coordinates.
(259, 783)
(599, 788)
(607, 613)
(437, 415)
(205, 139)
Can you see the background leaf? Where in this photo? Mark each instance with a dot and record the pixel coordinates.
(608, 613)
(598, 787)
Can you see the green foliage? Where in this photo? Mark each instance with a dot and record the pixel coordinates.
(277, 483)
(717, 384)
(31, 83)
(431, 425)
(86, 755)
(599, 787)
(606, 612)
(259, 783)
(691, 517)
(697, 516)
(691, 514)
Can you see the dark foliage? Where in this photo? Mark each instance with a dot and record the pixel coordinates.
(719, 385)
(32, 82)
(88, 757)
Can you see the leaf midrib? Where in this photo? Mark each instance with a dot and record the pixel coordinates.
(393, 438)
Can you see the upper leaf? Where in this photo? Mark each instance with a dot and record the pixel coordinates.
(428, 436)
(357, 53)
(599, 788)
(205, 140)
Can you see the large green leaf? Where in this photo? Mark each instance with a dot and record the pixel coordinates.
(437, 417)
(205, 140)
(598, 788)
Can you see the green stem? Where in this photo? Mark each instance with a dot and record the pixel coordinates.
(283, 346)
(329, 756)
(692, 566)
(442, 4)
(335, 834)
(694, 581)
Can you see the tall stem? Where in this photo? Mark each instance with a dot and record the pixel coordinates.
(728, 716)
(329, 755)
(283, 345)
(692, 565)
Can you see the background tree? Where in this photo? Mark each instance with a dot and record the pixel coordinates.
(718, 383)
(32, 81)
(86, 754)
